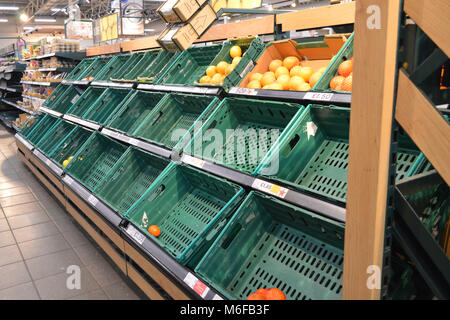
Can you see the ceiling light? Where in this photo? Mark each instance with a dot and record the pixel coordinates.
(24, 17)
(3, 20)
(270, 8)
(149, 30)
(9, 8)
(293, 5)
(44, 20)
(28, 28)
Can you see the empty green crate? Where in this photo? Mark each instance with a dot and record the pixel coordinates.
(94, 68)
(157, 67)
(173, 119)
(85, 101)
(79, 69)
(94, 159)
(66, 99)
(132, 73)
(107, 104)
(346, 52)
(132, 175)
(69, 146)
(134, 111)
(190, 65)
(272, 244)
(29, 124)
(54, 136)
(114, 64)
(44, 125)
(313, 156)
(190, 207)
(257, 126)
(56, 93)
(134, 59)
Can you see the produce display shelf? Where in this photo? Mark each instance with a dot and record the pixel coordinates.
(40, 83)
(48, 69)
(112, 84)
(11, 89)
(50, 111)
(67, 55)
(181, 89)
(33, 98)
(17, 106)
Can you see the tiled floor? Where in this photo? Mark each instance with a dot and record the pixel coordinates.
(39, 241)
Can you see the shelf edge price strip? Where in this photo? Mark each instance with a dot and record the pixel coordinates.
(270, 188)
(195, 284)
(135, 234)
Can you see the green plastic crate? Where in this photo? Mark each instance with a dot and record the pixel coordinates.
(346, 52)
(69, 146)
(190, 65)
(56, 93)
(172, 120)
(262, 122)
(94, 68)
(79, 69)
(54, 136)
(66, 99)
(190, 207)
(85, 101)
(106, 105)
(134, 111)
(132, 175)
(313, 156)
(269, 243)
(41, 128)
(94, 159)
(132, 73)
(134, 60)
(114, 64)
(29, 124)
(157, 67)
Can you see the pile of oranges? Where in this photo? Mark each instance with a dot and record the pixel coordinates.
(267, 294)
(286, 75)
(216, 74)
(344, 80)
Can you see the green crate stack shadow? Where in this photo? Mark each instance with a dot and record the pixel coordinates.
(269, 243)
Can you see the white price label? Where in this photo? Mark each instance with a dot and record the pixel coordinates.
(93, 200)
(271, 188)
(247, 91)
(135, 234)
(320, 96)
(48, 162)
(68, 180)
(195, 162)
(196, 285)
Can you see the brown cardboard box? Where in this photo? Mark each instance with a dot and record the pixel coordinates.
(203, 19)
(178, 37)
(175, 11)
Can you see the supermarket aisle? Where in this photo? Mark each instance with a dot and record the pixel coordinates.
(39, 240)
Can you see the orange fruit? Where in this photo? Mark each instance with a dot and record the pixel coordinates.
(314, 78)
(339, 87)
(284, 80)
(235, 51)
(276, 86)
(306, 73)
(295, 71)
(280, 71)
(268, 78)
(295, 82)
(256, 76)
(154, 231)
(254, 84)
(275, 294)
(347, 84)
(205, 79)
(216, 79)
(275, 64)
(210, 71)
(290, 62)
(304, 87)
(336, 81)
(236, 60)
(256, 296)
(345, 68)
(221, 67)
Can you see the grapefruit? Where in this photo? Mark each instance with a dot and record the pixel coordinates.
(229, 68)
(295, 71)
(211, 71)
(268, 78)
(345, 68)
(254, 84)
(290, 62)
(284, 80)
(347, 84)
(221, 67)
(236, 60)
(216, 79)
(280, 71)
(304, 87)
(235, 51)
(322, 70)
(306, 73)
(336, 81)
(205, 79)
(256, 76)
(314, 78)
(295, 82)
(275, 64)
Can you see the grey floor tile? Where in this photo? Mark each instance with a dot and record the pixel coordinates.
(11, 185)
(120, 291)
(89, 254)
(14, 192)
(104, 273)
(25, 291)
(9, 255)
(3, 224)
(93, 295)
(43, 246)
(6, 239)
(17, 199)
(11, 178)
(28, 219)
(13, 274)
(36, 231)
(76, 238)
(66, 224)
(52, 264)
(23, 209)
(56, 287)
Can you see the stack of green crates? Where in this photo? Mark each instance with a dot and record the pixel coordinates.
(64, 101)
(29, 124)
(272, 244)
(156, 68)
(40, 129)
(132, 113)
(94, 68)
(258, 126)
(313, 156)
(79, 69)
(54, 136)
(127, 181)
(114, 64)
(134, 60)
(147, 59)
(190, 207)
(172, 121)
(85, 101)
(190, 65)
(94, 159)
(56, 93)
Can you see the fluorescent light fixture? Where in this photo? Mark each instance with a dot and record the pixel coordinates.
(9, 8)
(149, 30)
(28, 28)
(3, 20)
(293, 5)
(44, 20)
(270, 8)
(24, 17)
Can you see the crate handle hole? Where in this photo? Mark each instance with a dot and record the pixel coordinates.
(160, 114)
(232, 235)
(157, 193)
